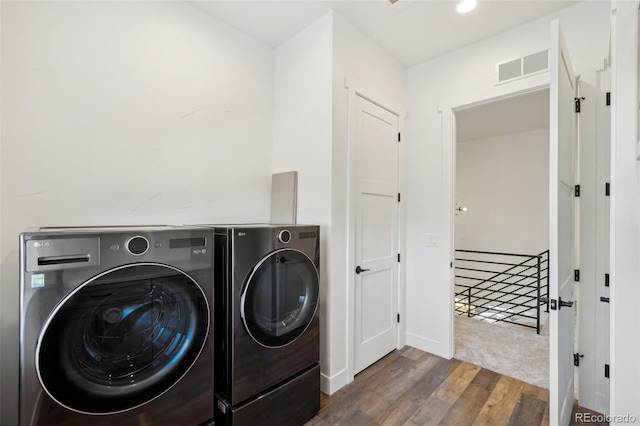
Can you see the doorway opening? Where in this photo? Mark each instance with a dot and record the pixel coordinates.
(501, 230)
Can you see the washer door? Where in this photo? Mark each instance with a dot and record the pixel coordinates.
(280, 298)
(122, 339)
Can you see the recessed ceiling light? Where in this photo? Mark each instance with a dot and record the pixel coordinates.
(466, 6)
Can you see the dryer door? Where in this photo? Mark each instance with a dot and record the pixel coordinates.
(280, 298)
(122, 339)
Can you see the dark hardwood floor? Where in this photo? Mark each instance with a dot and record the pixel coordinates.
(411, 387)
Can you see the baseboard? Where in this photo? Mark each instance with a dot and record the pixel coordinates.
(432, 346)
(602, 403)
(330, 385)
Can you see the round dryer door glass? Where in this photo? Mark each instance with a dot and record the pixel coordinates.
(280, 298)
(122, 339)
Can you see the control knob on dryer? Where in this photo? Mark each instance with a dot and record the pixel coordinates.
(284, 236)
(137, 245)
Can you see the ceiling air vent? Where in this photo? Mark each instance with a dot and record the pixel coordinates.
(522, 67)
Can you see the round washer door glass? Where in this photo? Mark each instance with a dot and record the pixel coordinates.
(122, 339)
(280, 298)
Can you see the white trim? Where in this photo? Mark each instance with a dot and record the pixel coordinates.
(527, 85)
(351, 296)
(352, 93)
(624, 251)
(402, 230)
(330, 385)
(371, 97)
(427, 345)
(448, 150)
(613, 52)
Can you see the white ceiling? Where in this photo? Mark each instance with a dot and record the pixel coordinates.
(411, 30)
(518, 114)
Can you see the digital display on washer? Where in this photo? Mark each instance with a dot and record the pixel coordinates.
(304, 235)
(187, 242)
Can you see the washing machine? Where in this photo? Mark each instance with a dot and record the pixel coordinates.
(266, 329)
(116, 327)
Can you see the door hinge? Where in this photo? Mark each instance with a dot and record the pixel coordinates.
(608, 98)
(604, 299)
(398, 197)
(576, 359)
(576, 275)
(399, 137)
(606, 280)
(578, 102)
(398, 317)
(576, 190)
(398, 257)
(607, 189)
(606, 371)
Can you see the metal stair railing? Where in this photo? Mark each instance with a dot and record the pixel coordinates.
(502, 287)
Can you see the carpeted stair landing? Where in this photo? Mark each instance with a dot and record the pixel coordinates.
(521, 354)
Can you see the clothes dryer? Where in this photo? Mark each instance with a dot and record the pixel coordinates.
(115, 327)
(266, 330)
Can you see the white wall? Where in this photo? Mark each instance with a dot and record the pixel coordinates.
(504, 183)
(625, 212)
(1, 281)
(462, 73)
(302, 117)
(374, 73)
(310, 135)
(302, 142)
(125, 113)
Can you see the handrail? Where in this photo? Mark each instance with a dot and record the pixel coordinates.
(495, 253)
(505, 295)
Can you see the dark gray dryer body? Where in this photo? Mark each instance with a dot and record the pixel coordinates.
(115, 327)
(266, 330)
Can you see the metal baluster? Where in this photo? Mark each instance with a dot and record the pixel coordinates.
(538, 299)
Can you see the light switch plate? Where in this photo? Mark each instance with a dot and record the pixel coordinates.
(432, 240)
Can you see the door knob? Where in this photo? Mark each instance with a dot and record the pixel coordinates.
(359, 269)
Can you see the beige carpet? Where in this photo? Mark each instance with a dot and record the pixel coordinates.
(521, 354)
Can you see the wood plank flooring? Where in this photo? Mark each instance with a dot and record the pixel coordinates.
(411, 387)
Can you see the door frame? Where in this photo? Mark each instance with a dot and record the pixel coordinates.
(352, 94)
(448, 117)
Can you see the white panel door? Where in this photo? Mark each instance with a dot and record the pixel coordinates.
(561, 229)
(376, 233)
(593, 204)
